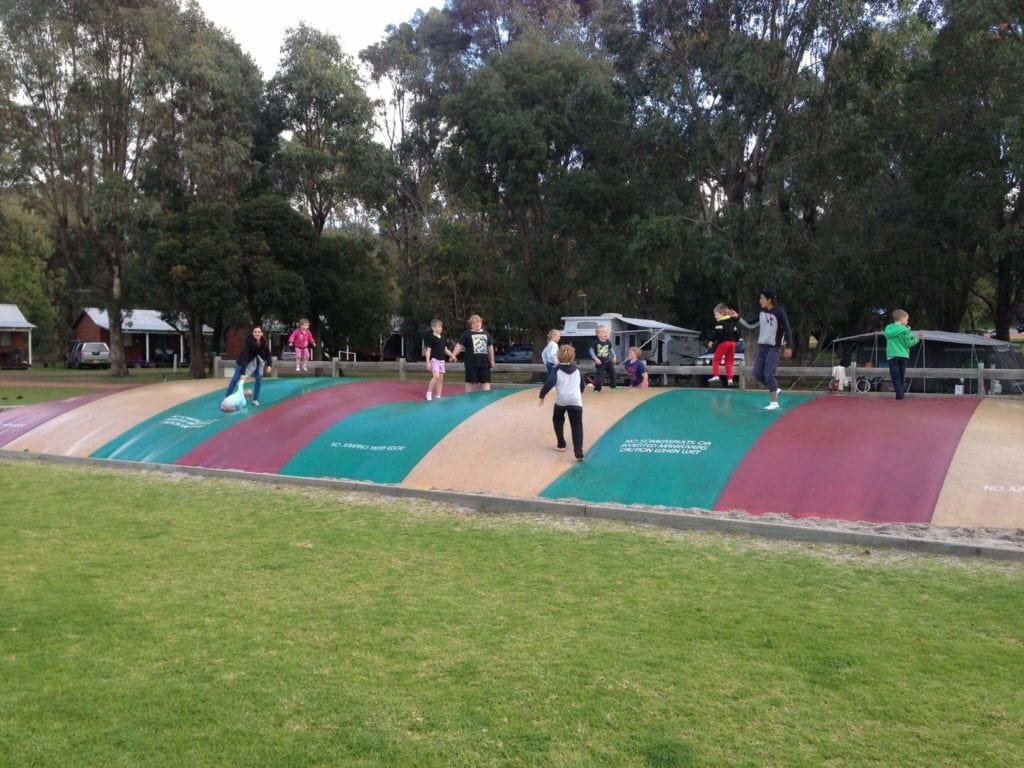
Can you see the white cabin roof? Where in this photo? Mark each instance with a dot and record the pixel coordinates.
(139, 321)
(11, 319)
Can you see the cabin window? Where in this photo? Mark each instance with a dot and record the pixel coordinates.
(586, 324)
(5, 339)
(126, 339)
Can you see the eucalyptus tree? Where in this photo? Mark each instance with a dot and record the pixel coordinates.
(967, 152)
(721, 84)
(537, 144)
(196, 168)
(88, 77)
(26, 278)
(329, 158)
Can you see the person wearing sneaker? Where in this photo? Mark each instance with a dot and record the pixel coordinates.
(602, 352)
(479, 358)
(253, 361)
(437, 353)
(568, 384)
(723, 341)
(774, 339)
(302, 339)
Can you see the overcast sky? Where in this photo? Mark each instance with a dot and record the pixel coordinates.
(259, 27)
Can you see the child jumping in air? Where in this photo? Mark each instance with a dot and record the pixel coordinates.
(568, 384)
(302, 340)
(436, 356)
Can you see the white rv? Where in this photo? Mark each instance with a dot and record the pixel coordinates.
(661, 343)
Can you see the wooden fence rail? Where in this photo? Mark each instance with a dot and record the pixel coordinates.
(978, 381)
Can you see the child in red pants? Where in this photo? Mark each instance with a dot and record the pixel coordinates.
(723, 340)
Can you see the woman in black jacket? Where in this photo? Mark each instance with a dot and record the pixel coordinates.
(254, 361)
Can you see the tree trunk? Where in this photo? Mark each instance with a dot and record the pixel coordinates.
(115, 315)
(197, 342)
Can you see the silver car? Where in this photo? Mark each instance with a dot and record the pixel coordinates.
(92, 354)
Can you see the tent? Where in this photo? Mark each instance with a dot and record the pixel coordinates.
(938, 349)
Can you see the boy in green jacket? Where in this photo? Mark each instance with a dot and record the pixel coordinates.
(898, 341)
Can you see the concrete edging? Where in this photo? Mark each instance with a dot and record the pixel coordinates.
(679, 520)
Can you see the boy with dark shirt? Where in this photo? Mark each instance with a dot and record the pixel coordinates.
(723, 341)
(436, 356)
(479, 355)
(603, 354)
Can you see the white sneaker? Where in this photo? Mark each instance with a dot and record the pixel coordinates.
(772, 407)
(429, 396)
(729, 383)
(714, 380)
(305, 368)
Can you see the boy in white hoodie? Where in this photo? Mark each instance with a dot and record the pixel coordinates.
(568, 384)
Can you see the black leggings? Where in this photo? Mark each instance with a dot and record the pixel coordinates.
(575, 414)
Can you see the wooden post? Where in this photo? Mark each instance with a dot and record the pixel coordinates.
(273, 367)
(334, 367)
(743, 376)
(853, 376)
(216, 367)
(981, 379)
(401, 369)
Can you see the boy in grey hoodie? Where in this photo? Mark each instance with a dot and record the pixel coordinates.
(568, 384)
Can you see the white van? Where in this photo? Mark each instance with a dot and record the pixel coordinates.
(659, 343)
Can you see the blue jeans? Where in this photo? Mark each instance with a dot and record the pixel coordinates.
(258, 374)
(765, 365)
(898, 372)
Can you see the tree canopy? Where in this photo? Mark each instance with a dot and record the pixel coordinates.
(503, 157)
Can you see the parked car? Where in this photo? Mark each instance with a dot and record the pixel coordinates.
(92, 354)
(517, 353)
(707, 358)
(71, 353)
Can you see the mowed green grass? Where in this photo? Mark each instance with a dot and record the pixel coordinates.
(153, 621)
(11, 396)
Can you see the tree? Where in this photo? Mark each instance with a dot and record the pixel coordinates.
(88, 79)
(197, 167)
(330, 155)
(25, 278)
(356, 288)
(198, 261)
(536, 144)
(275, 242)
(968, 149)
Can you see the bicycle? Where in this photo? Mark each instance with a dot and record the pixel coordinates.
(875, 384)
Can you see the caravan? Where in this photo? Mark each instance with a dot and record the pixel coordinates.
(659, 343)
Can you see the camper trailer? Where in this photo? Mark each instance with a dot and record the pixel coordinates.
(661, 343)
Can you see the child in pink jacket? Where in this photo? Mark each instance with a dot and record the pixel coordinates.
(302, 340)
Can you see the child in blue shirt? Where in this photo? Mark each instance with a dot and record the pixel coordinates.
(636, 369)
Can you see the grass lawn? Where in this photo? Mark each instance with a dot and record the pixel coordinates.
(147, 620)
(30, 395)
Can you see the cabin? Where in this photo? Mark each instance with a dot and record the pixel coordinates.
(149, 340)
(15, 338)
(659, 343)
